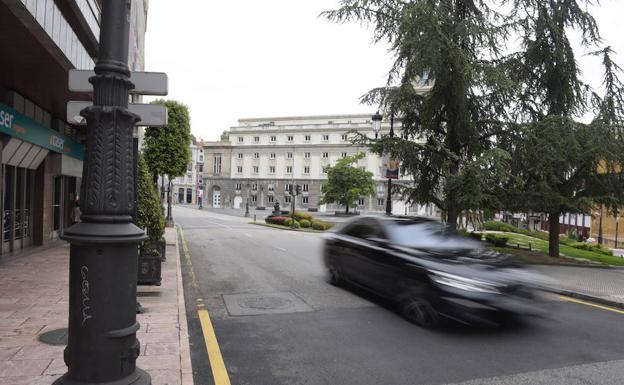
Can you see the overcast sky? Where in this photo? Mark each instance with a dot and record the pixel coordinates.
(247, 58)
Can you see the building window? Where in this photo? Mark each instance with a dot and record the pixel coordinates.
(305, 200)
(256, 139)
(287, 187)
(326, 155)
(306, 155)
(190, 167)
(288, 169)
(255, 169)
(217, 164)
(343, 154)
(201, 159)
(305, 187)
(380, 189)
(363, 168)
(271, 187)
(361, 202)
(325, 138)
(307, 138)
(254, 186)
(201, 168)
(380, 202)
(254, 198)
(306, 170)
(240, 139)
(272, 155)
(271, 169)
(240, 155)
(239, 169)
(273, 138)
(271, 198)
(256, 155)
(290, 138)
(239, 186)
(289, 155)
(287, 199)
(344, 137)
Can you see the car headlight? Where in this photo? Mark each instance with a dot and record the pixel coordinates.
(463, 283)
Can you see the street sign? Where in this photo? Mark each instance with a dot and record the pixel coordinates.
(145, 83)
(151, 114)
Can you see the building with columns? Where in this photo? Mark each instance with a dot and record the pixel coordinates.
(257, 160)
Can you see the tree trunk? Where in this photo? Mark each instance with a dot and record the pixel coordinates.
(347, 209)
(451, 217)
(553, 234)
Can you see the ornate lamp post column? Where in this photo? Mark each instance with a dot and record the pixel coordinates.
(102, 347)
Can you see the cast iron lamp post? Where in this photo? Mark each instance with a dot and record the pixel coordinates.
(102, 346)
(377, 118)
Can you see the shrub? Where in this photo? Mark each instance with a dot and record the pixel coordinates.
(149, 209)
(299, 216)
(305, 223)
(318, 226)
(591, 247)
(496, 240)
(276, 220)
(288, 222)
(475, 236)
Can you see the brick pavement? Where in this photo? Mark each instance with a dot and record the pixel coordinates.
(34, 299)
(592, 283)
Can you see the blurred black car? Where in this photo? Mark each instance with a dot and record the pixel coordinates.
(430, 271)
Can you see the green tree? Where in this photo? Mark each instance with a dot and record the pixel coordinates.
(458, 44)
(559, 163)
(346, 183)
(149, 211)
(167, 149)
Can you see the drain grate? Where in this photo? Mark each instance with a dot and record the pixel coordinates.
(264, 303)
(55, 337)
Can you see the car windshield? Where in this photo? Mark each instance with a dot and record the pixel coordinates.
(428, 235)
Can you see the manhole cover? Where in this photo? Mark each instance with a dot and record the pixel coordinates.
(264, 303)
(55, 337)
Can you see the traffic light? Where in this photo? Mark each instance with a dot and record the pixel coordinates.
(298, 189)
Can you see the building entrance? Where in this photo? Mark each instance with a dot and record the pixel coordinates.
(17, 204)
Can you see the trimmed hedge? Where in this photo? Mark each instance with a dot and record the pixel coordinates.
(496, 240)
(305, 223)
(277, 220)
(288, 222)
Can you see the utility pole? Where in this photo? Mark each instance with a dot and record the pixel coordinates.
(102, 346)
(389, 193)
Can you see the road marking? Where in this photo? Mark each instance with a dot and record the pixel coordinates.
(281, 249)
(248, 235)
(219, 373)
(579, 301)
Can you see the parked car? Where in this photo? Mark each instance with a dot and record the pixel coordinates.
(430, 271)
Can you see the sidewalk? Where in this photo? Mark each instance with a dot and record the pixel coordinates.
(601, 285)
(34, 300)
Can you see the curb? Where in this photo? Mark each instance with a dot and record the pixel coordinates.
(186, 374)
(587, 297)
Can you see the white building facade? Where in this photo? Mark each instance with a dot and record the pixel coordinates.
(256, 161)
(185, 189)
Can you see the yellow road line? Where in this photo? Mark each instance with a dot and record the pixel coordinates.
(219, 373)
(580, 301)
(217, 365)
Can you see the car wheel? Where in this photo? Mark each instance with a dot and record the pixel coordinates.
(334, 275)
(419, 311)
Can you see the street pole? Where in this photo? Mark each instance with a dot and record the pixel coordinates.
(169, 219)
(389, 192)
(102, 345)
(600, 227)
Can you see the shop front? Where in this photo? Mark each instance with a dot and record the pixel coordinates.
(39, 180)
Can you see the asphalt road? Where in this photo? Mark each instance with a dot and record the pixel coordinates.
(277, 321)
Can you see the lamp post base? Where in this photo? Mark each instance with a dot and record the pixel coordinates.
(139, 377)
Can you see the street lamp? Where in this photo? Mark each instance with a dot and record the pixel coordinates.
(376, 123)
(389, 197)
(102, 346)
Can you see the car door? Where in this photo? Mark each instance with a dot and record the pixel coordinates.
(354, 249)
(379, 264)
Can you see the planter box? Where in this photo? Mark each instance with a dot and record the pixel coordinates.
(313, 209)
(260, 208)
(149, 272)
(343, 214)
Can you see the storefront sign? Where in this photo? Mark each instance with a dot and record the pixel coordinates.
(20, 126)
